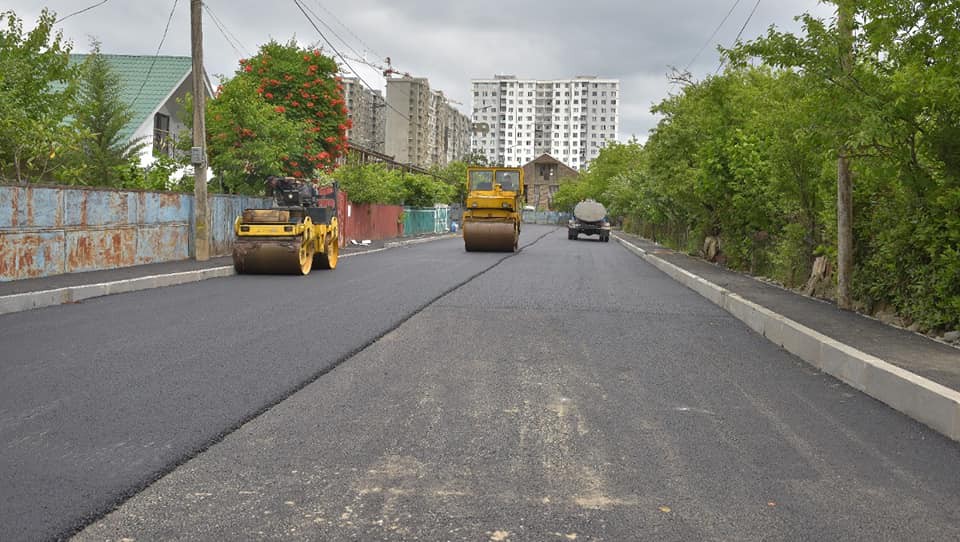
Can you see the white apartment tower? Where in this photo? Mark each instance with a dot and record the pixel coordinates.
(517, 120)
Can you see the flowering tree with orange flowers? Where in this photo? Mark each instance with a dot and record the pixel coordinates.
(283, 112)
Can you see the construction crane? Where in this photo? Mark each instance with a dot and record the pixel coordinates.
(386, 71)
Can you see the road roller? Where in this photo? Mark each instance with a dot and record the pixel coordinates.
(491, 218)
(299, 233)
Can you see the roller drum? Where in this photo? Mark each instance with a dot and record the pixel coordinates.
(272, 256)
(490, 236)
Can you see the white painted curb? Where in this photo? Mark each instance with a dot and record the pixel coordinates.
(72, 294)
(920, 398)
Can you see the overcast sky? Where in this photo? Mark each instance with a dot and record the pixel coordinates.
(451, 42)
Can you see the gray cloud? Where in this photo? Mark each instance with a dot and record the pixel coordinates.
(452, 42)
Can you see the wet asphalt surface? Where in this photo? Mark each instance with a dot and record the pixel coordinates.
(569, 392)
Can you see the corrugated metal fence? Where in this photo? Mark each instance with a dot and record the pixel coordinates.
(372, 221)
(51, 230)
(426, 220)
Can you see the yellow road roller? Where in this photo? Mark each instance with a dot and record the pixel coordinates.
(491, 218)
(298, 234)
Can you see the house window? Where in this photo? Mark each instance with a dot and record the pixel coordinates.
(162, 142)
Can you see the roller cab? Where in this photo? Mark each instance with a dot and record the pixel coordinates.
(491, 218)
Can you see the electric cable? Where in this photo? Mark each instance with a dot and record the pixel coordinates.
(157, 54)
(351, 32)
(231, 39)
(337, 52)
(740, 33)
(84, 10)
(715, 30)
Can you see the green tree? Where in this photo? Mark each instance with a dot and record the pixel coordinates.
(37, 88)
(426, 190)
(595, 180)
(303, 86)
(282, 112)
(378, 183)
(896, 113)
(104, 156)
(247, 139)
(371, 183)
(454, 175)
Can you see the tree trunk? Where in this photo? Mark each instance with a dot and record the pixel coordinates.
(844, 232)
(845, 12)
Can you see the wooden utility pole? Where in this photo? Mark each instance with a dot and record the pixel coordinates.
(201, 232)
(844, 179)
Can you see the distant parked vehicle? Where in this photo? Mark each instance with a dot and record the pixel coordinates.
(589, 218)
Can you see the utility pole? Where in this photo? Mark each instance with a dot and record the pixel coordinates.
(201, 232)
(844, 180)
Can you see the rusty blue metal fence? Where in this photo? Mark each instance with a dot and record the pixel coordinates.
(51, 230)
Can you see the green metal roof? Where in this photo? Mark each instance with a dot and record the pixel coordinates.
(158, 83)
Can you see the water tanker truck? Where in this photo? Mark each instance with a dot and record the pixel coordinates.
(589, 218)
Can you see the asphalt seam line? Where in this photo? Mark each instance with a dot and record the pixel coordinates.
(74, 294)
(924, 400)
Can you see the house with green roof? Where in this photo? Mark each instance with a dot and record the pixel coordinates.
(155, 88)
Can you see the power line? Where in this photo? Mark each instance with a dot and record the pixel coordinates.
(337, 52)
(740, 33)
(337, 19)
(231, 39)
(332, 31)
(304, 10)
(745, 23)
(715, 30)
(88, 8)
(162, 39)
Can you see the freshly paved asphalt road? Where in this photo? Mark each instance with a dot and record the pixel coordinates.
(571, 392)
(100, 398)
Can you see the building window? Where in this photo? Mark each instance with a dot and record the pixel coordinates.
(162, 142)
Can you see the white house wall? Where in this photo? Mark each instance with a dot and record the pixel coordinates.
(174, 109)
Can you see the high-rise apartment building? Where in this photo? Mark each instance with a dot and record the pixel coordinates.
(517, 120)
(366, 108)
(422, 128)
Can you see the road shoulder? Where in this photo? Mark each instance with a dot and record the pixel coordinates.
(892, 377)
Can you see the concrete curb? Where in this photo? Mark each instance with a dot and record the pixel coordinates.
(922, 399)
(73, 294)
